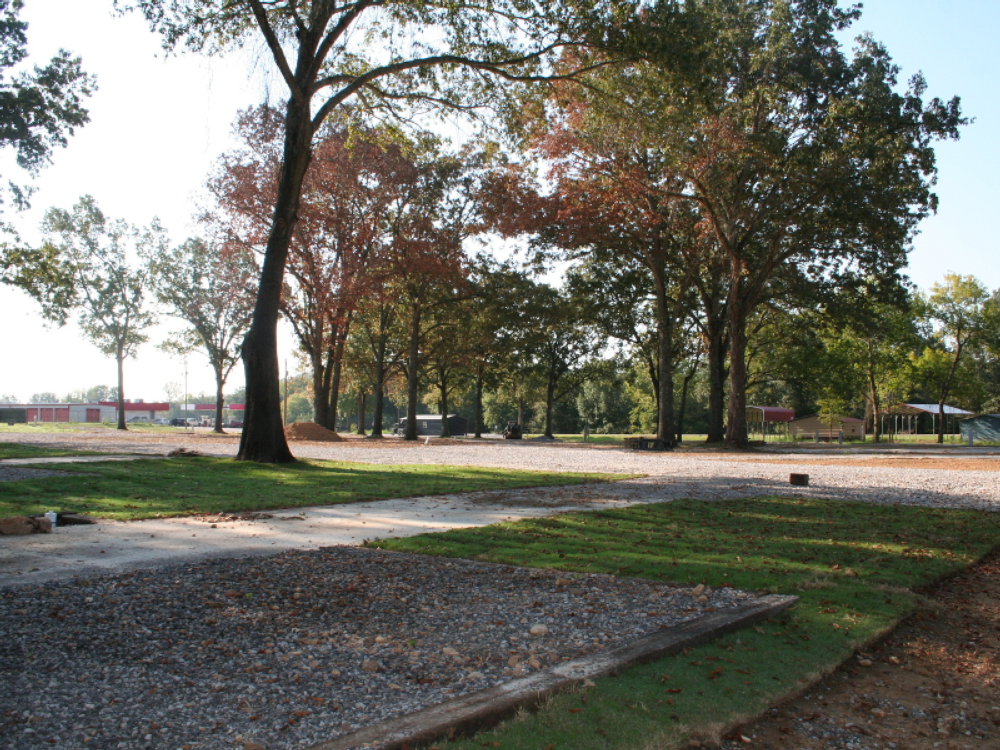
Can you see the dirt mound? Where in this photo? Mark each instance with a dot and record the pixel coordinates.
(311, 431)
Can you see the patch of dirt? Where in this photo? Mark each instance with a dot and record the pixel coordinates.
(917, 462)
(932, 684)
(182, 452)
(312, 432)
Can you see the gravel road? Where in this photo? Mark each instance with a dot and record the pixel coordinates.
(672, 475)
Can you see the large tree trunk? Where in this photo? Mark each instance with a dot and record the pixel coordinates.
(321, 385)
(716, 356)
(665, 363)
(379, 389)
(873, 398)
(361, 411)
(335, 376)
(263, 437)
(445, 427)
(478, 432)
(736, 428)
(946, 390)
(220, 383)
(331, 412)
(413, 375)
(684, 397)
(120, 357)
(550, 398)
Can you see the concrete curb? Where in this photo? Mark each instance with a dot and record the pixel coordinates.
(486, 708)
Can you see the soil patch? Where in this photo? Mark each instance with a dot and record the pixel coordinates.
(311, 431)
(934, 683)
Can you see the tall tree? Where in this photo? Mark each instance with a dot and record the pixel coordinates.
(378, 331)
(40, 108)
(563, 344)
(210, 287)
(356, 173)
(496, 324)
(439, 53)
(108, 292)
(955, 309)
(424, 251)
(807, 165)
(616, 197)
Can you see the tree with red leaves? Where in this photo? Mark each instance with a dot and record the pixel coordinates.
(356, 176)
(440, 53)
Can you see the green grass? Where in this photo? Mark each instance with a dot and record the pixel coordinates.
(16, 450)
(147, 488)
(857, 568)
(29, 427)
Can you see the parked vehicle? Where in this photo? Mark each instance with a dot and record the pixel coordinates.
(512, 431)
(178, 422)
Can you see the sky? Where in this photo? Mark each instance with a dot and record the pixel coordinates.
(159, 122)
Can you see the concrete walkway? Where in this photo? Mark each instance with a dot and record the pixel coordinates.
(115, 546)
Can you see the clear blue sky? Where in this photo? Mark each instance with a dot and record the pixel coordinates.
(158, 124)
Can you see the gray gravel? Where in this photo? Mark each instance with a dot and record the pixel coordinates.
(671, 475)
(295, 648)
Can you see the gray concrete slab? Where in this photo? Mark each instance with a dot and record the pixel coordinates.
(115, 546)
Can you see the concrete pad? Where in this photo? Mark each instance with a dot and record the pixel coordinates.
(486, 708)
(116, 546)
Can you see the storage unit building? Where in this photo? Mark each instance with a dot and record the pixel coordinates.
(430, 424)
(68, 413)
(984, 427)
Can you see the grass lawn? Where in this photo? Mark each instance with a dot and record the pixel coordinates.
(29, 427)
(16, 450)
(146, 488)
(857, 567)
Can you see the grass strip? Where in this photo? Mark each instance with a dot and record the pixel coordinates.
(17, 450)
(857, 567)
(147, 488)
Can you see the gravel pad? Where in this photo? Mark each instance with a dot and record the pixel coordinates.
(290, 650)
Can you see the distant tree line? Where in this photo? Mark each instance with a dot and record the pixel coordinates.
(731, 193)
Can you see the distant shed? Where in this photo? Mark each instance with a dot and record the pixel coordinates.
(913, 419)
(828, 428)
(430, 424)
(985, 427)
(768, 420)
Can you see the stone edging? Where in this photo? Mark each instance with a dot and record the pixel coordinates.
(486, 708)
